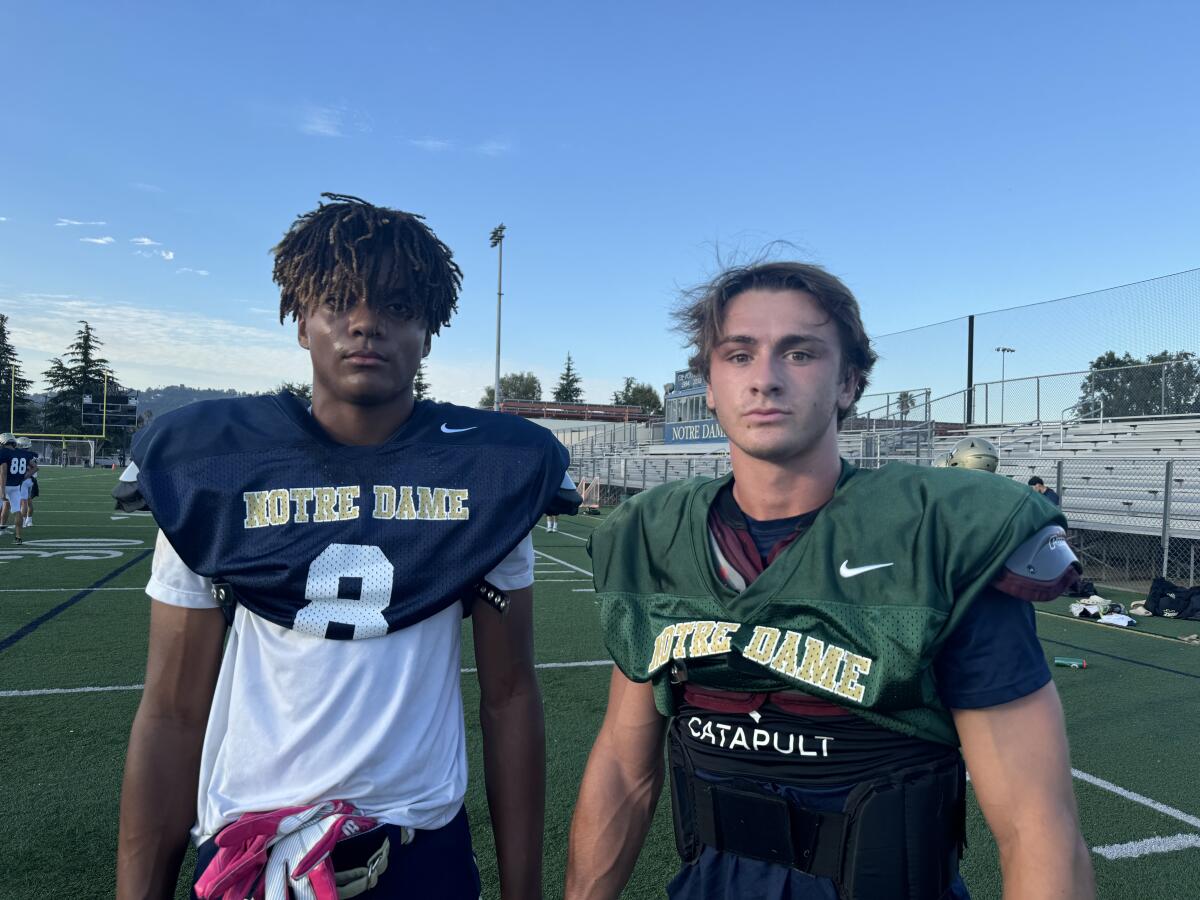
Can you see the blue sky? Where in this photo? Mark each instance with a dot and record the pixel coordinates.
(943, 158)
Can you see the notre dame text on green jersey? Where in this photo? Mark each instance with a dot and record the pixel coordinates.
(854, 611)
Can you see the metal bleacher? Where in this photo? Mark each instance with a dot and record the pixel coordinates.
(1118, 481)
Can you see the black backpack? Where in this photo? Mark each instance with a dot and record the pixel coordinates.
(1182, 602)
(1081, 588)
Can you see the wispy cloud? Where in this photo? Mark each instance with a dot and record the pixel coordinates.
(147, 188)
(322, 121)
(3, 218)
(263, 312)
(150, 346)
(494, 147)
(168, 255)
(333, 120)
(190, 271)
(433, 145)
(145, 242)
(101, 240)
(63, 222)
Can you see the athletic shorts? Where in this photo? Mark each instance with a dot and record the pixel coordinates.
(436, 865)
(13, 493)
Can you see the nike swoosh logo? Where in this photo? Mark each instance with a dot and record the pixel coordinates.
(846, 572)
(446, 429)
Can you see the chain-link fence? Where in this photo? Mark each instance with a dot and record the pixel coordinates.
(1152, 390)
(1130, 519)
(999, 352)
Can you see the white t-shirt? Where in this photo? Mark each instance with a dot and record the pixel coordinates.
(298, 719)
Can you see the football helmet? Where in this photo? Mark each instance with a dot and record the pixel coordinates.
(24, 443)
(941, 460)
(8, 439)
(975, 453)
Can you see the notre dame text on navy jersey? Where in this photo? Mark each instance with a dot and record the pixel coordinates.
(323, 538)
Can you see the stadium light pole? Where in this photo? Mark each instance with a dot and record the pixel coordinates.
(497, 240)
(1003, 351)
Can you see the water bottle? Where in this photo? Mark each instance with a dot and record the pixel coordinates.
(1070, 662)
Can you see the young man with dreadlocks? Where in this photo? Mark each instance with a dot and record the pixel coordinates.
(821, 646)
(302, 711)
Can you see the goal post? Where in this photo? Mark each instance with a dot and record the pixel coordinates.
(64, 451)
(589, 490)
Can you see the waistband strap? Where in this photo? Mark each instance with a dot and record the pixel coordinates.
(769, 828)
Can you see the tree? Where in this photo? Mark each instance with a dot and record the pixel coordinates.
(905, 402)
(513, 386)
(83, 374)
(302, 389)
(14, 387)
(641, 395)
(420, 383)
(569, 389)
(1162, 384)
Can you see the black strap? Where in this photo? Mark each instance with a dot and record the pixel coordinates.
(489, 594)
(769, 828)
(226, 598)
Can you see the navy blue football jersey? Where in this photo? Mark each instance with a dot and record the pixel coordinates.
(337, 541)
(17, 465)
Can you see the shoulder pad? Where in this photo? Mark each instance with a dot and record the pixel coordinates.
(1041, 568)
(568, 499)
(565, 503)
(127, 493)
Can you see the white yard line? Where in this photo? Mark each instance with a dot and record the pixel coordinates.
(42, 692)
(563, 562)
(1162, 808)
(586, 664)
(67, 590)
(1149, 634)
(568, 534)
(1134, 849)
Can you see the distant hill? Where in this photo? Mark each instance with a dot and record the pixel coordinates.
(159, 400)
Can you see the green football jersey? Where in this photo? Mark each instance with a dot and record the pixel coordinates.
(853, 611)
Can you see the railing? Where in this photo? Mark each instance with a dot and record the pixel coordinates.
(1140, 391)
(1130, 518)
(1091, 408)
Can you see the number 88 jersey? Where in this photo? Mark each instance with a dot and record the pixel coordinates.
(17, 465)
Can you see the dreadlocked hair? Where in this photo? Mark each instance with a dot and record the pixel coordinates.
(336, 252)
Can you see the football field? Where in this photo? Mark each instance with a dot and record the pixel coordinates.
(73, 619)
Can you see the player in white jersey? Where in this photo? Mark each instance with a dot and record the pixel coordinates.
(326, 721)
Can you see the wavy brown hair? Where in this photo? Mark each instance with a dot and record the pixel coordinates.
(700, 314)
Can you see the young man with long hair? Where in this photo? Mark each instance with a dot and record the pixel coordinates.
(821, 646)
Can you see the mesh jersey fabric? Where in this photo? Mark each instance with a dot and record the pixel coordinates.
(926, 545)
(322, 537)
(299, 719)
